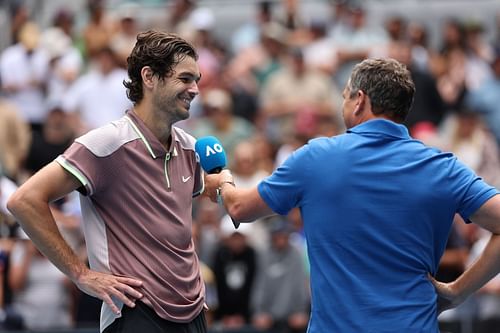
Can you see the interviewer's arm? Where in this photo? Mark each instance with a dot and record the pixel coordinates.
(485, 267)
(30, 205)
(243, 205)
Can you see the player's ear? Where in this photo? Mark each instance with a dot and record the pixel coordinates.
(147, 76)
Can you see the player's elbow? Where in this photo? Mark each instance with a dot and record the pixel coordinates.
(17, 201)
(13, 203)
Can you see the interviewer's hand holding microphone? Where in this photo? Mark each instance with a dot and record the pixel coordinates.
(213, 160)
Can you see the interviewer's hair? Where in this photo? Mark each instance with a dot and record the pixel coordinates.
(387, 83)
(159, 50)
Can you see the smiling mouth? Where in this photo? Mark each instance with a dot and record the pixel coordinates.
(186, 102)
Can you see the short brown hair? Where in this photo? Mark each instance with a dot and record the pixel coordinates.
(159, 50)
(387, 83)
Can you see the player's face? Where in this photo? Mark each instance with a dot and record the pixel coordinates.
(175, 93)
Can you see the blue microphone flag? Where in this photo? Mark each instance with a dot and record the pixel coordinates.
(212, 157)
(211, 154)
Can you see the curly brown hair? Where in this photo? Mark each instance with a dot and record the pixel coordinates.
(159, 50)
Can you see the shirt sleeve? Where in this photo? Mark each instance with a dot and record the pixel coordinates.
(472, 191)
(92, 171)
(284, 188)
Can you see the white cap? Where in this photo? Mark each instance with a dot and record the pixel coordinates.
(217, 98)
(55, 42)
(202, 19)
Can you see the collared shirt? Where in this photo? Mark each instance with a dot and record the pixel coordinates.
(377, 208)
(137, 212)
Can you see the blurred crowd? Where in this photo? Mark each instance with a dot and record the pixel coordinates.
(275, 84)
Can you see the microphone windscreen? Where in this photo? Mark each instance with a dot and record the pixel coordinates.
(211, 154)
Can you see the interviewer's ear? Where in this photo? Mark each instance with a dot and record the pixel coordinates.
(360, 102)
(147, 76)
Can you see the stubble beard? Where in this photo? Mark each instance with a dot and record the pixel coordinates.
(172, 109)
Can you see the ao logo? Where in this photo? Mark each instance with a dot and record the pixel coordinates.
(216, 149)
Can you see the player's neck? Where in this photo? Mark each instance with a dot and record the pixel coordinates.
(158, 123)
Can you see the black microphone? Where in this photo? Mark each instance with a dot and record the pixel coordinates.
(212, 157)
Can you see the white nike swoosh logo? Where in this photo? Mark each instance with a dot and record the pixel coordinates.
(185, 179)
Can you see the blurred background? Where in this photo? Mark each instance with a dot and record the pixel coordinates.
(273, 73)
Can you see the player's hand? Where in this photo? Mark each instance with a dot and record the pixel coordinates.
(211, 184)
(107, 286)
(448, 297)
(213, 181)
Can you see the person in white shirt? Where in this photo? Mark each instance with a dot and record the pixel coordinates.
(99, 96)
(24, 68)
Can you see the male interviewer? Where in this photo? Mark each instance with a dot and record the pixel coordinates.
(377, 208)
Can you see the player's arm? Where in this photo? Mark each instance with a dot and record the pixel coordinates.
(30, 205)
(484, 268)
(243, 205)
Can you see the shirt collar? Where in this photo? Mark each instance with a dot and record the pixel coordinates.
(153, 145)
(381, 126)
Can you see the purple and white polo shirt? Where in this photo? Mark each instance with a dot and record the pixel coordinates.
(136, 207)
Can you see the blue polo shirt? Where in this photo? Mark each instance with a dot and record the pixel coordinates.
(377, 207)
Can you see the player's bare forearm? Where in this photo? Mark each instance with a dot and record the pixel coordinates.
(30, 205)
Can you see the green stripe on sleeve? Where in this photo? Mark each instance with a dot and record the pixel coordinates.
(71, 169)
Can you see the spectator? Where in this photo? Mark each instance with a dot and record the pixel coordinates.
(320, 53)
(65, 64)
(212, 53)
(207, 216)
(24, 69)
(178, 15)
(248, 33)
(15, 136)
(480, 53)
(98, 97)
(355, 41)
(123, 40)
(293, 91)
(486, 99)
(428, 106)
(452, 62)
(234, 268)
(98, 31)
(53, 140)
(466, 136)
(220, 121)
(281, 295)
(251, 68)
(19, 16)
(420, 50)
